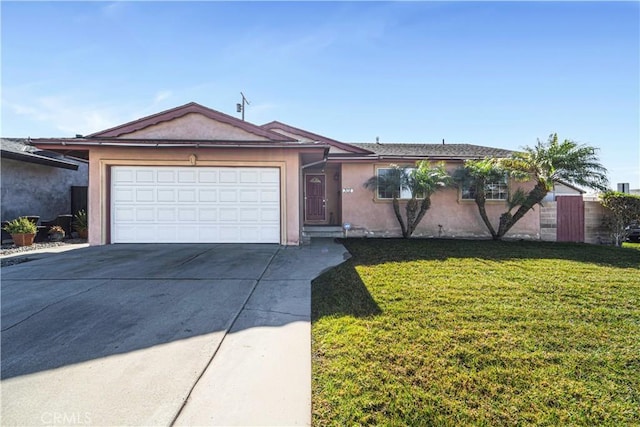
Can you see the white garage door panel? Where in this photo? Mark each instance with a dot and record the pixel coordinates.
(200, 205)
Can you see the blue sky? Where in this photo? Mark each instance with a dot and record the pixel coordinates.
(501, 74)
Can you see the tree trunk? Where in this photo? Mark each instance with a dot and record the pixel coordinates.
(412, 212)
(424, 207)
(534, 197)
(396, 209)
(481, 200)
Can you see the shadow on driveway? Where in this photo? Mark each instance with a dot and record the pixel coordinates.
(133, 335)
(100, 301)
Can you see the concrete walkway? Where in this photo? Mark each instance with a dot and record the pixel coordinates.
(261, 374)
(161, 335)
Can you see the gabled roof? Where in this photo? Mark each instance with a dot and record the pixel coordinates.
(183, 110)
(152, 131)
(444, 151)
(571, 186)
(19, 149)
(274, 125)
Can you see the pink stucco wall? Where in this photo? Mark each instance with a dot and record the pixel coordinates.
(448, 216)
(194, 126)
(369, 217)
(102, 158)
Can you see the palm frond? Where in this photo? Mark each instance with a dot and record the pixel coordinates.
(565, 161)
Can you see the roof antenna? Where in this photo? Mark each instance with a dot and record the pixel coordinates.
(240, 107)
(442, 141)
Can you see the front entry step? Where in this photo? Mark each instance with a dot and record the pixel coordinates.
(317, 231)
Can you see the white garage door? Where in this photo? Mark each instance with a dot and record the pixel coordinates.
(195, 204)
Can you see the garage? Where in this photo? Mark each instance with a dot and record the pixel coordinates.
(191, 174)
(163, 204)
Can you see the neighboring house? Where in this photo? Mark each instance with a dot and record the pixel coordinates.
(193, 174)
(36, 182)
(563, 189)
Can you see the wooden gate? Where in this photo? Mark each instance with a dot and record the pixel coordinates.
(570, 217)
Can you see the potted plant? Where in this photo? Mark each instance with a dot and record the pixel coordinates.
(22, 231)
(81, 224)
(56, 233)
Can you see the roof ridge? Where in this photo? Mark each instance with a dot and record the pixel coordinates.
(183, 110)
(312, 135)
(415, 143)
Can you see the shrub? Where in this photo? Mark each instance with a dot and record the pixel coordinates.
(625, 209)
(56, 229)
(20, 225)
(81, 222)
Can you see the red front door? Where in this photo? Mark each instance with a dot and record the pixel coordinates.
(314, 197)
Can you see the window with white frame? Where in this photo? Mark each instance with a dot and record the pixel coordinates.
(387, 193)
(498, 190)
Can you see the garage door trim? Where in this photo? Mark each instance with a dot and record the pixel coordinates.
(210, 203)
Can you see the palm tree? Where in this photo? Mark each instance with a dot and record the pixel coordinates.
(421, 182)
(545, 163)
(477, 175)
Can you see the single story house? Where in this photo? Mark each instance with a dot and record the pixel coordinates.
(193, 174)
(37, 182)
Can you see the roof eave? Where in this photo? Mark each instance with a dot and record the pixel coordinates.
(83, 143)
(39, 160)
(378, 157)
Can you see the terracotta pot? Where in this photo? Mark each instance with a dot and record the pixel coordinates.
(83, 234)
(23, 239)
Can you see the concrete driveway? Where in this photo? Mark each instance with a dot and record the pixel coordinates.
(180, 334)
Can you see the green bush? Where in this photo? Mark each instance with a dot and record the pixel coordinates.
(20, 225)
(625, 209)
(81, 221)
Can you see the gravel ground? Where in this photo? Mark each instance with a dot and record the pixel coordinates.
(13, 249)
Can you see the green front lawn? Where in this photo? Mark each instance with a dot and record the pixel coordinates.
(446, 332)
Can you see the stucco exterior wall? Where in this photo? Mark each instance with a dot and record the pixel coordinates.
(448, 216)
(102, 158)
(194, 126)
(32, 189)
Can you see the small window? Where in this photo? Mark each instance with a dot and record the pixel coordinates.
(495, 191)
(385, 193)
